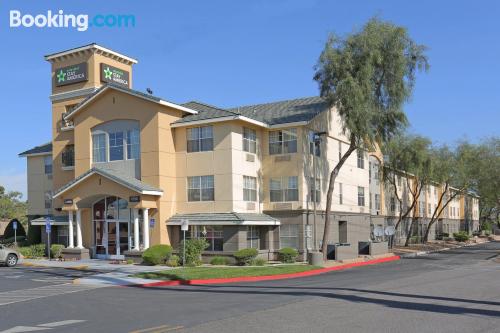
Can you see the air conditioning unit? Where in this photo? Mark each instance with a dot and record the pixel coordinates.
(282, 158)
(250, 157)
(283, 206)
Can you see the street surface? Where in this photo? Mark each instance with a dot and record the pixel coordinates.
(453, 291)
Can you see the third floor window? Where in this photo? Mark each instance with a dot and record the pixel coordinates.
(249, 140)
(283, 141)
(284, 189)
(200, 139)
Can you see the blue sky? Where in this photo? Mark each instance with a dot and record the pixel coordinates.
(230, 53)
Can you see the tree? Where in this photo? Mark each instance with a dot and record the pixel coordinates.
(406, 156)
(11, 206)
(368, 76)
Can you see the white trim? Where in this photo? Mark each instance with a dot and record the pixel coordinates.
(72, 94)
(89, 47)
(227, 223)
(203, 121)
(52, 222)
(145, 192)
(35, 154)
(67, 128)
(127, 91)
(68, 168)
(294, 124)
(237, 117)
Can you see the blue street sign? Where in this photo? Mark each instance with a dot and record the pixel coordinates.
(14, 225)
(151, 223)
(47, 225)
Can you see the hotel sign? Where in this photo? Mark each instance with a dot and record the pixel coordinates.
(71, 74)
(114, 75)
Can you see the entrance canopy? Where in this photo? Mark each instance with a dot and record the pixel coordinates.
(224, 219)
(97, 182)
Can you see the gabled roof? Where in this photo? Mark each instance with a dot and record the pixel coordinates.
(116, 176)
(267, 115)
(45, 149)
(224, 219)
(92, 47)
(129, 91)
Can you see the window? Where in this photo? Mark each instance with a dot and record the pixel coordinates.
(201, 188)
(342, 232)
(116, 146)
(289, 236)
(200, 139)
(48, 199)
(399, 181)
(429, 209)
(377, 201)
(314, 144)
(133, 144)
(47, 164)
(341, 194)
(249, 140)
(284, 189)
(253, 237)
(361, 196)
(99, 148)
(68, 156)
(249, 188)
(314, 190)
(340, 150)
(361, 159)
(283, 141)
(214, 235)
(435, 192)
(393, 204)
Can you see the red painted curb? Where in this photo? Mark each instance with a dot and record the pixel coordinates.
(267, 277)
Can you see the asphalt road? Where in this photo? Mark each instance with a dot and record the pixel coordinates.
(453, 291)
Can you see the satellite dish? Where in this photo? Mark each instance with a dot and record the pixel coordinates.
(378, 231)
(390, 230)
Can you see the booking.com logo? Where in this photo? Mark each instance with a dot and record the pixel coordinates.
(61, 20)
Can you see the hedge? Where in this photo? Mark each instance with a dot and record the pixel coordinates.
(288, 255)
(245, 257)
(194, 248)
(56, 250)
(157, 254)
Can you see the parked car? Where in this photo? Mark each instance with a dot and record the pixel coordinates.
(8, 256)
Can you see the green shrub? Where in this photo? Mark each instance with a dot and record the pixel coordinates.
(258, 262)
(288, 255)
(461, 236)
(194, 248)
(12, 240)
(130, 261)
(56, 250)
(37, 251)
(25, 251)
(219, 261)
(174, 261)
(157, 254)
(245, 257)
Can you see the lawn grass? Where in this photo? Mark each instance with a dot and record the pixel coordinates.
(195, 273)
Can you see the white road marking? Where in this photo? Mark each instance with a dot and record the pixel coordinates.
(41, 327)
(22, 295)
(13, 276)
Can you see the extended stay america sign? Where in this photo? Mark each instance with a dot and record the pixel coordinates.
(71, 74)
(114, 75)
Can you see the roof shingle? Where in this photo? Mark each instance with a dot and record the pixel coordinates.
(42, 149)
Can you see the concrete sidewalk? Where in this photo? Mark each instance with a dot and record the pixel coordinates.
(106, 272)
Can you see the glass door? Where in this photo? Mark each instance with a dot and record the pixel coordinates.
(112, 239)
(123, 237)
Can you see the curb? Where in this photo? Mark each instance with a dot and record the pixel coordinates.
(423, 253)
(265, 277)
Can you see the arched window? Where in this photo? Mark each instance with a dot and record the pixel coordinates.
(116, 141)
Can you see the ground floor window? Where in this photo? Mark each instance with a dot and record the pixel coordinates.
(289, 236)
(253, 237)
(212, 234)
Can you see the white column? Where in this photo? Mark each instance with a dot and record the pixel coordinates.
(70, 230)
(79, 242)
(145, 227)
(136, 230)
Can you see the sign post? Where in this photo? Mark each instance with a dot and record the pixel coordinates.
(14, 225)
(48, 230)
(184, 228)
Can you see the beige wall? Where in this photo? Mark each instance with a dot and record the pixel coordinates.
(38, 184)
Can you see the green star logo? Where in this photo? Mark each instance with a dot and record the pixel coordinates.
(60, 76)
(107, 73)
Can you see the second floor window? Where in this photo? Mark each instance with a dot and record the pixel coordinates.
(393, 205)
(361, 196)
(341, 194)
(47, 164)
(249, 140)
(314, 190)
(284, 189)
(68, 156)
(200, 139)
(99, 147)
(48, 199)
(361, 159)
(283, 141)
(201, 188)
(377, 201)
(133, 144)
(116, 146)
(314, 147)
(249, 188)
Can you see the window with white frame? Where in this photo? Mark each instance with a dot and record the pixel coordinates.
(377, 201)
(47, 164)
(249, 140)
(361, 159)
(314, 146)
(393, 204)
(361, 196)
(340, 150)
(289, 236)
(201, 188)
(200, 139)
(341, 194)
(213, 234)
(253, 237)
(116, 146)
(249, 188)
(99, 148)
(133, 144)
(284, 189)
(429, 209)
(314, 190)
(48, 199)
(283, 141)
